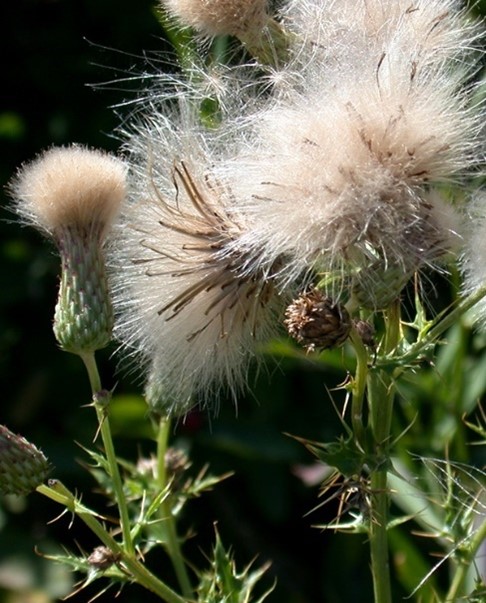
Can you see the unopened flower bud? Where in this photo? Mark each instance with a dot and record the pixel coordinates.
(316, 322)
(72, 195)
(366, 331)
(102, 558)
(23, 467)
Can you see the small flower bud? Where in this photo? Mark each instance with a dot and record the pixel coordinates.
(102, 558)
(72, 195)
(315, 321)
(23, 467)
(176, 463)
(366, 331)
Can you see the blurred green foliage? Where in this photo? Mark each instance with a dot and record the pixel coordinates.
(70, 70)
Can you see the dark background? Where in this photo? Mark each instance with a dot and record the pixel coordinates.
(66, 65)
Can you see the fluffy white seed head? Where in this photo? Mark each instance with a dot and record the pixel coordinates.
(474, 256)
(70, 188)
(341, 165)
(188, 298)
(220, 17)
(426, 32)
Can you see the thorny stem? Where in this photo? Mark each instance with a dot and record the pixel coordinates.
(60, 494)
(380, 398)
(439, 325)
(104, 427)
(457, 585)
(172, 540)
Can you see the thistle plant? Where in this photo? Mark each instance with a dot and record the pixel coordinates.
(335, 171)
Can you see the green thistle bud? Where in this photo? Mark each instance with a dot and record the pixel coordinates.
(83, 318)
(23, 467)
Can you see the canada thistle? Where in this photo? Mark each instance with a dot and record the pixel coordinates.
(248, 20)
(72, 195)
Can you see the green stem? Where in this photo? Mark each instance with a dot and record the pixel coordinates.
(171, 537)
(381, 393)
(105, 430)
(380, 397)
(359, 387)
(380, 564)
(457, 585)
(140, 574)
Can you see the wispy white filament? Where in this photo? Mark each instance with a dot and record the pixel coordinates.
(374, 113)
(185, 297)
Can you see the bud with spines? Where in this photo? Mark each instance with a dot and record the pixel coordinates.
(83, 318)
(23, 467)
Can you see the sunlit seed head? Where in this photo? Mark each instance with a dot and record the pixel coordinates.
(70, 188)
(189, 299)
(219, 17)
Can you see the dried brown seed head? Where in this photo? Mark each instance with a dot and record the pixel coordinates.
(317, 322)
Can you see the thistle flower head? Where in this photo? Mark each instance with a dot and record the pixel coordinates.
(72, 195)
(220, 17)
(339, 35)
(187, 296)
(70, 188)
(23, 467)
(346, 163)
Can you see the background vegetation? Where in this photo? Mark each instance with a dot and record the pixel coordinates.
(65, 65)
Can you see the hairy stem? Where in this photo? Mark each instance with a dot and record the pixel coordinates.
(359, 387)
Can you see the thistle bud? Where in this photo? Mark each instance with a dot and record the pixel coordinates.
(72, 195)
(316, 322)
(102, 558)
(23, 467)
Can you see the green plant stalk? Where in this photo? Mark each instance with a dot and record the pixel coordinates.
(359, 387)
(380, 397)
(457, 584)
(172, 539)
(105, 430)
(137, 570)
(381, 393)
